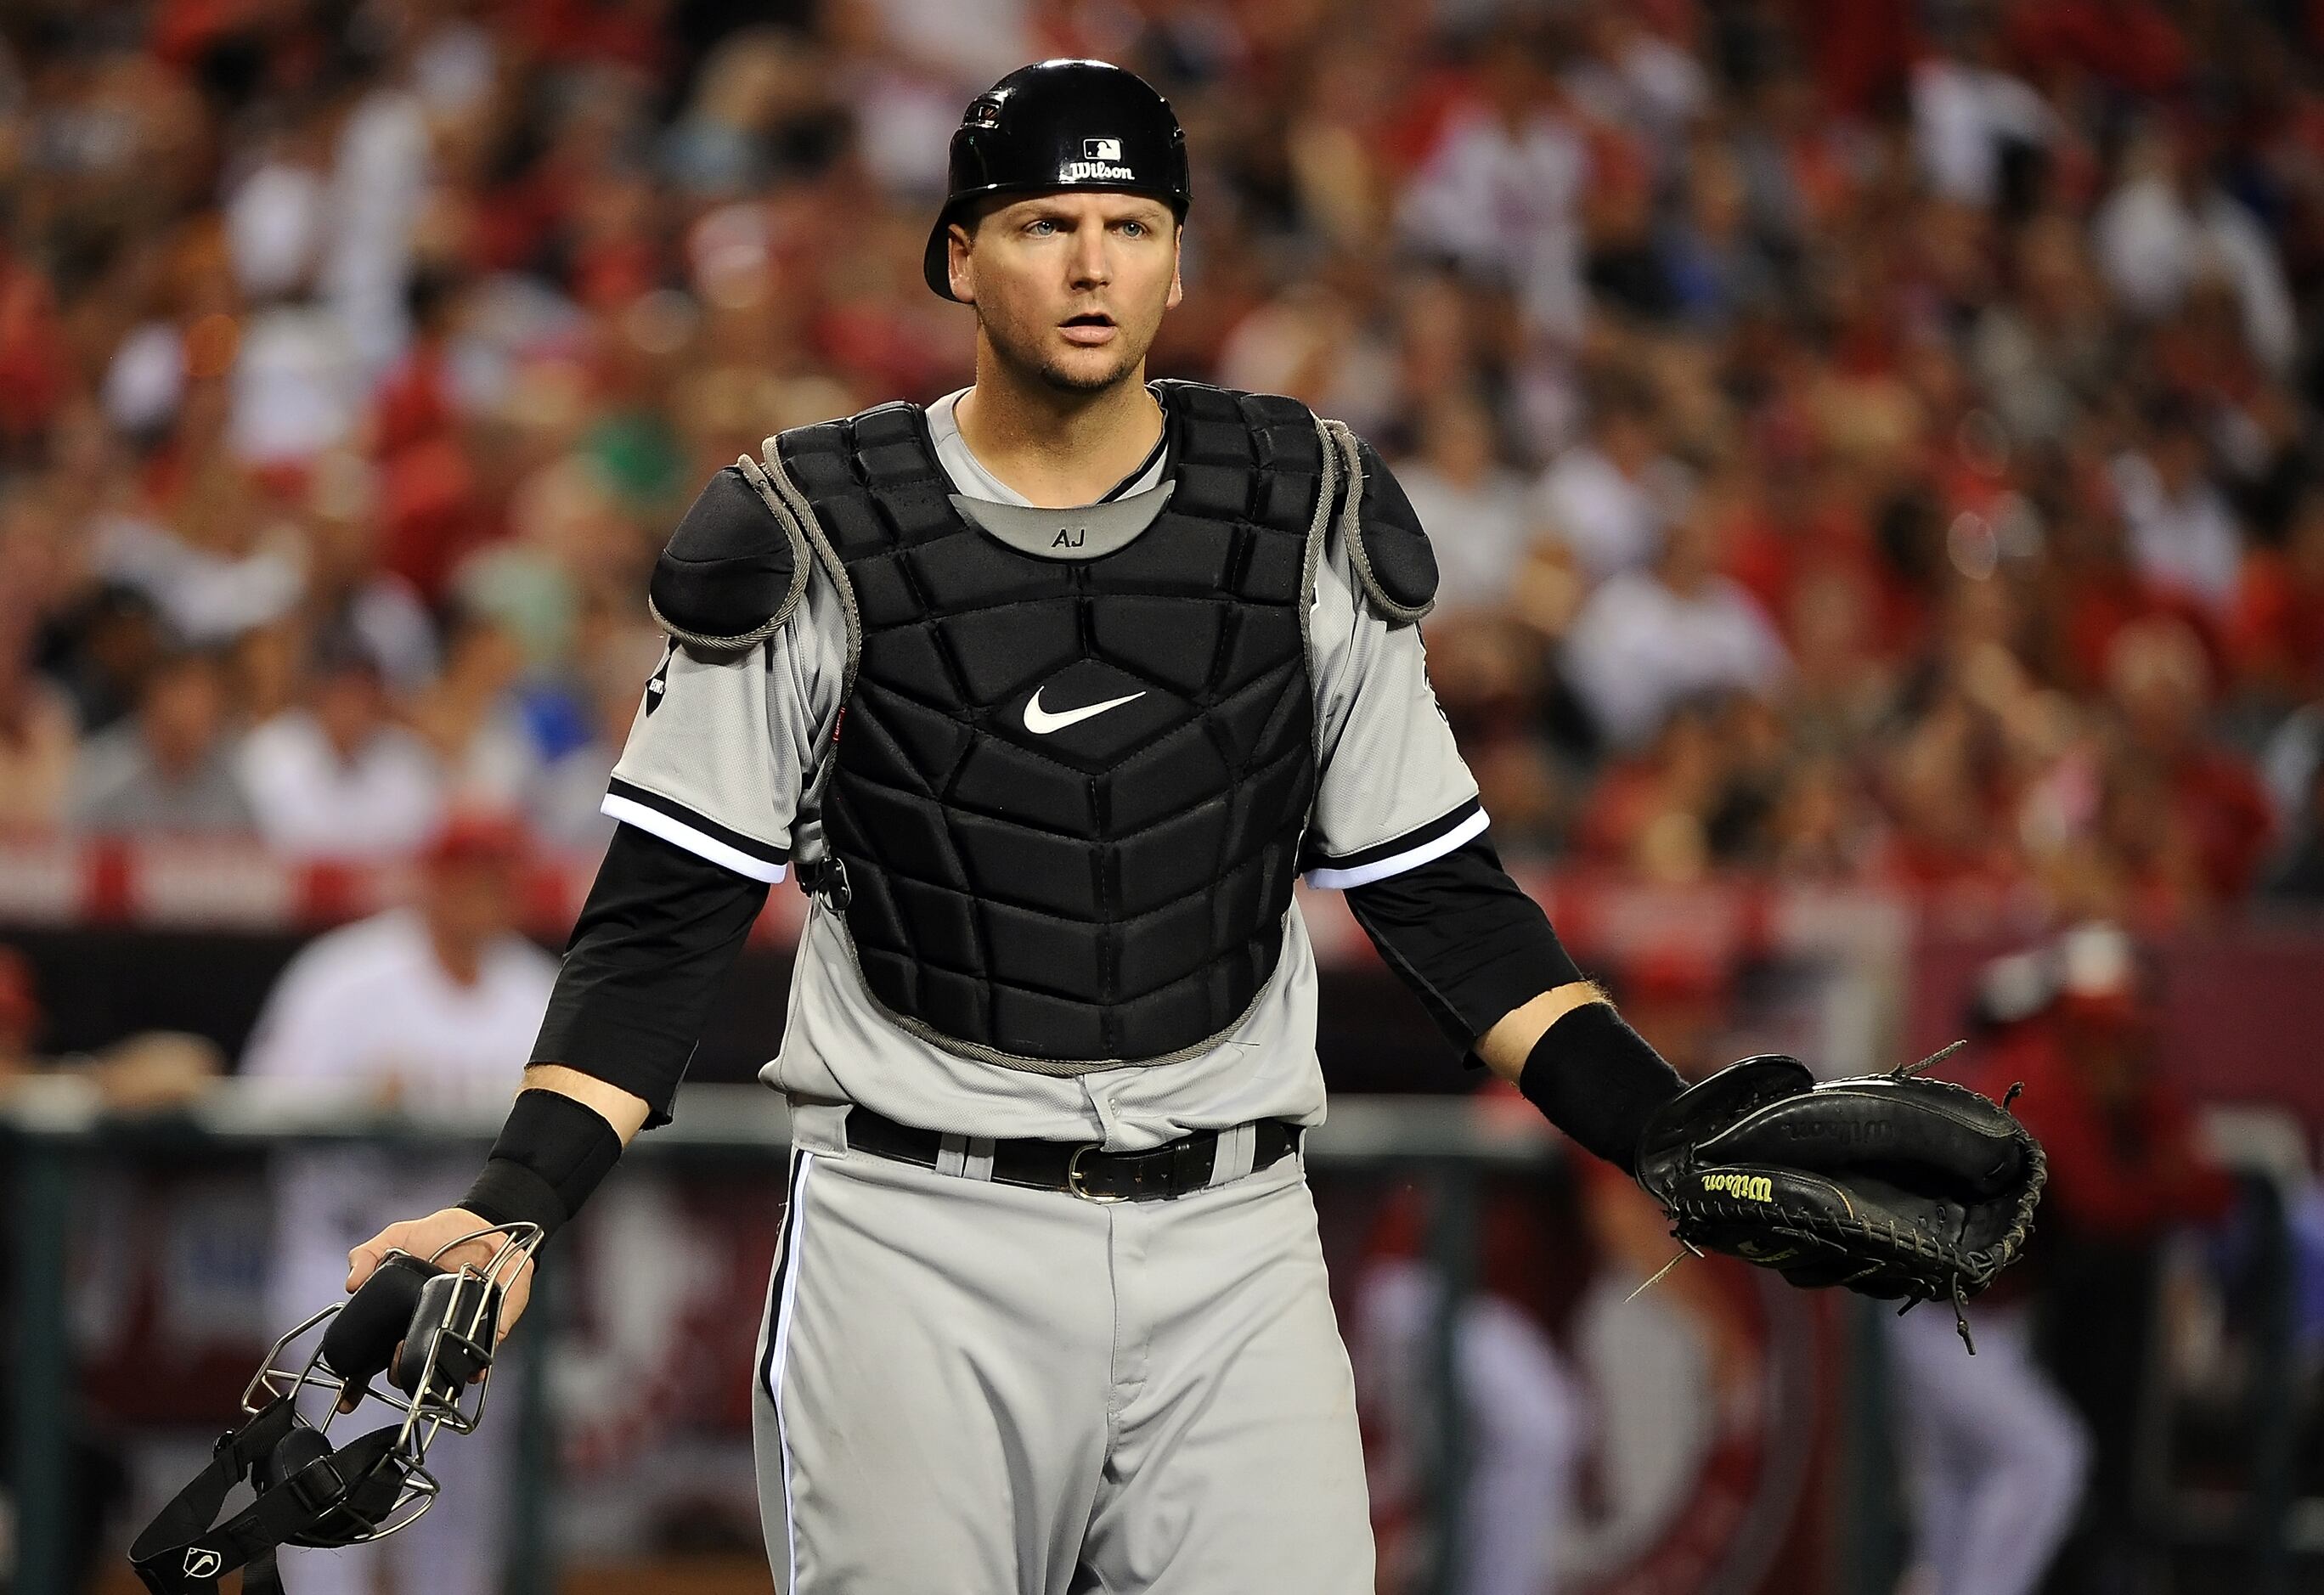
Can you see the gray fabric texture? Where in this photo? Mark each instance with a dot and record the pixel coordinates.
(972, 1386)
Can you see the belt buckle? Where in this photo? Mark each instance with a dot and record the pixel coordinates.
(1074, 1177)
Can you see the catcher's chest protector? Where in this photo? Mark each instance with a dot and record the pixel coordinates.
(1069, 792)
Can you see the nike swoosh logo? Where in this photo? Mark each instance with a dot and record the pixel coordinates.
(1041, 722)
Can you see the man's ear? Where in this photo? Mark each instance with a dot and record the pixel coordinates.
(958, 273)
(1177, 288)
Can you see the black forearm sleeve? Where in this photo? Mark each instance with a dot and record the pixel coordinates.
(1598, 1080)
(657, 935)
(1465, 937)
(552, 1152)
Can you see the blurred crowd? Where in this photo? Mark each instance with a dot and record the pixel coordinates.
(1865, 441)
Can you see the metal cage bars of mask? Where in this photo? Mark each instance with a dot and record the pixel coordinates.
(431, 1332)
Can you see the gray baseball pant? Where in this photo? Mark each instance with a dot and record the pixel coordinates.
(971, 1388)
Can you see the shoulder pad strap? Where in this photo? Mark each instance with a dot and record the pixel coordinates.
(1385, 541)
(735, 567)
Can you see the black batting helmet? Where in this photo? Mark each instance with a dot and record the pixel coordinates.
(1061, 125)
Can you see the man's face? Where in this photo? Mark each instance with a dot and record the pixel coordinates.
(350, 705)
(470, 902)
(1071, 286)
(182, 712)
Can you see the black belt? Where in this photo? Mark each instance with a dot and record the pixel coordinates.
(1082, 1168)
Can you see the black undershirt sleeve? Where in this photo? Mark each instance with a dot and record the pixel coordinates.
(655, 939)
(1474, 948)
(1465, 937)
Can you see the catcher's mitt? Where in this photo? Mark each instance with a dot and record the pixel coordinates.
(1891, 1184)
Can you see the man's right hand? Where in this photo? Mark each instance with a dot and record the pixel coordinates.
(424, 1237)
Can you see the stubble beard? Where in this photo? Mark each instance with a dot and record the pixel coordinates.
(1054, 375)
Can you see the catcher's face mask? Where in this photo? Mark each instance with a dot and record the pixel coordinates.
(431, 1332)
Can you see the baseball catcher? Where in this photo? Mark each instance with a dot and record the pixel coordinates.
(1050, 692)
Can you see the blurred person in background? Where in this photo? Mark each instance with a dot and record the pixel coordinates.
(20, 1015)
(98, 648)
(1649, 639)
(214, 556)
(2298, 874)
(1525, 1413)
(1975, 124)
(1535, 1426)
(436, 1005)
(2276, 632)
(170, 769)
(36, 732)
(2184, 532)
(2044, 352)
(335, 777)
(142, 1073)
(2202, 819)
(1995, 1457)
(1611, 497)
(1500, 191)
(568, 799)
(347, 587)
(2170, 227)
(2078, 1028)
(472, 717)
(1459, 482)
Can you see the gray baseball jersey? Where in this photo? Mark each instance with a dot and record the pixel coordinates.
(724, 746)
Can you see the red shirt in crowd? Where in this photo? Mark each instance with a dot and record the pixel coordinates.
(2125, 1162)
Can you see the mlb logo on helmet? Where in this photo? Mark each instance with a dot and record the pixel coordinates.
(1101, 149)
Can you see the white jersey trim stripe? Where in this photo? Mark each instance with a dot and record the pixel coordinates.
(678, 834)
(1412, 857)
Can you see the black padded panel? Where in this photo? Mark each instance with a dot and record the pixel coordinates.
(1053, 884)
(293, 1452)
(362, 1335)
(730, 568)
(1401, 565)
(447, 1303)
